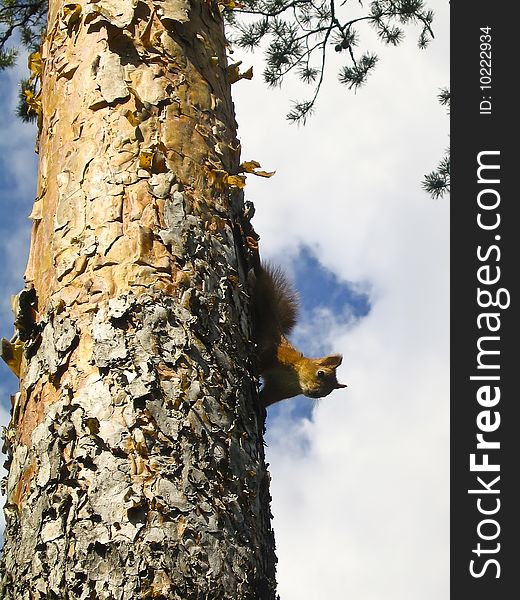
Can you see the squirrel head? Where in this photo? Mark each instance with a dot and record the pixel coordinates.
(318, 375)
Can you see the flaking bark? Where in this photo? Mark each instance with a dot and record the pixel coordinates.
(136, 465)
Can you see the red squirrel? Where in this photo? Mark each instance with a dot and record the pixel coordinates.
(285, 370)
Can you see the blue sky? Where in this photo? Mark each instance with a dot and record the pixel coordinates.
(18, 164)
(321, 294)
(359, 479)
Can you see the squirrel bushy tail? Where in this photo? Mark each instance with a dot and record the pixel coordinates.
(285, 370)
(275, 310)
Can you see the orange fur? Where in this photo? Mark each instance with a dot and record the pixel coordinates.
(292, 373)
(285, 370)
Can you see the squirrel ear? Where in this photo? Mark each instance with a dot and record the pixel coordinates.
(333, 360)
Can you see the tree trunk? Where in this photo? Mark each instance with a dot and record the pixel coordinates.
(136, 464)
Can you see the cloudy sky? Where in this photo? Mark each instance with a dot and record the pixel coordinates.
(360, 479)
(360, 482)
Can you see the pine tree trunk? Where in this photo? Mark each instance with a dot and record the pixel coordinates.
(136, 465)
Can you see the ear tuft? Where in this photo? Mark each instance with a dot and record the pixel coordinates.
(333, 360)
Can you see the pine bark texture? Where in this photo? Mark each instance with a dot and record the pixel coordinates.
(136, 465)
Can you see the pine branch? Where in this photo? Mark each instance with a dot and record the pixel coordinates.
(299, 32)
(437, 183)
(26, 20)
(23, 110)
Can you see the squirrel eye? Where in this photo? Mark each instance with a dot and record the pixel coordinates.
(320, 374)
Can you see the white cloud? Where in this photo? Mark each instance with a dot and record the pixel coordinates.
(14, 245)
(360, 493)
